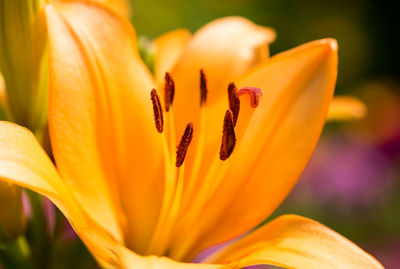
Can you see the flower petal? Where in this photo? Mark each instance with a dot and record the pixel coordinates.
(121, 6)
(130, 260)
(225, 48)
(292, 241)
(23, 162)
(277, 142)
(168, 49)
(100, 118)
(110, 254)
(346, 108)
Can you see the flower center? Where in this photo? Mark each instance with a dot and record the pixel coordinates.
(175, 206)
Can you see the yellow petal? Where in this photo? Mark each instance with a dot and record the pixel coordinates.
(292, 241)
(346, 108)
(277, 143)
(168, 49)
(23, 162)
(100, 118)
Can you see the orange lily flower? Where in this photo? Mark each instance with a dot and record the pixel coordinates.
(134, 200)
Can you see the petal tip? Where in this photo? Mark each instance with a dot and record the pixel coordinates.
(332, 43)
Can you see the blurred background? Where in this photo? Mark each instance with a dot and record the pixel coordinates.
(352, 183)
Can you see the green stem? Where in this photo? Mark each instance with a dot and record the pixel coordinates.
(37, 231)
(16, 254)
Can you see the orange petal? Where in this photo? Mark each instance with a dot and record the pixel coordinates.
(276, 145)
(168, 49)
(292, 241)
(225, 48)
(100, 118)
(346, 108)
(110, 254)
(130, 260)
(23, 162)
(120, 6)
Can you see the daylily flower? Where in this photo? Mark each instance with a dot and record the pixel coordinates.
(134, 200)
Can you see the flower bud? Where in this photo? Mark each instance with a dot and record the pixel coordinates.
(23, 60)
(12, 218)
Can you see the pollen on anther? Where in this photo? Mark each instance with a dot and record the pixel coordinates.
(228, 137)
(169, 88)
(184, 144)
(234, 102)
(203, 87)
(157, 109)
(255, 95)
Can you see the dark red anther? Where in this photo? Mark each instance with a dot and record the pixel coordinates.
(203, 87)
(157, 110)
(228, 137)
(184, 144)
(234, 102)
(255, 95)
(169, 88)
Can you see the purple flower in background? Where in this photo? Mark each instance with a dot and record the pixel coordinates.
(388, 253)
(347, 171)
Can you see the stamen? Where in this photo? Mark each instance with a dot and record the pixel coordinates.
(228, 137)
(157, 109)
(255, 93)
(169, 91)
(234, 102)
(184, 144)
(203, 87)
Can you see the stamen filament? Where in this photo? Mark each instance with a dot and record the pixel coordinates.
(213, 178)
(206, 189)
(171, 131)
(181, 242)
(164, 240)
(171, 201)
(167, 198)
(191, 183)
(198, 157)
